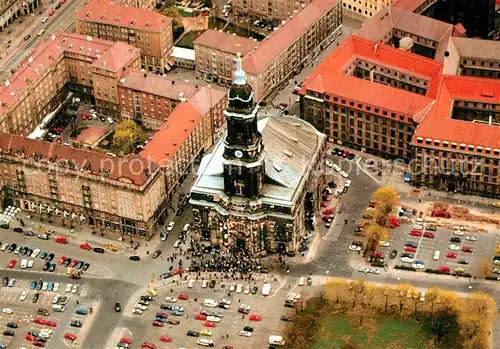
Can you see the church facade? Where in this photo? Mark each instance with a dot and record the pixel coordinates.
(250, 193)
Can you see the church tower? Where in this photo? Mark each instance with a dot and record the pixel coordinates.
(243, 149)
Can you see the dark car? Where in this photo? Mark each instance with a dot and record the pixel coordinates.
(431, 227)
(166, 275)
(79, 265)
(303, 248)
(39, 285)
(50, 257)
(146, 298)
(42, 311)
(98, 250)
(85, 266)
(179, 211)
(35, 297)
(8, 333)
(58, 6)
(173, 322)
(118, 307)
(289, 304)
(52, 267)
(18, 229)
(134, 258)
(12, 248)
(5, 281)
(192, 333)
(156, 254)
(284, 318)
(351, 156)
(24, 251)
(66, 262)
(28, 233)
(43, 255)
(254, 289)
(212, 284)
(166, 307)
(455, 240)
(46, 266)
(26, 38)
(248, 329)
(75, 323)
(12, 325)
(463, 261)
(393, 254)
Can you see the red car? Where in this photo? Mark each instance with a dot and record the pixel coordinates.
(200, 317)
(183, 297)
(377, 255)
(62, 2)
(57, 130)
(415, 233)
(451, 255)
(147, 345)
(75, 277)
(126, 340)
(467, 249)
(12, 263)
(30, 338)
(323, 203)
(165, 339)
(444, 269)
(73, 263)
(39, 320)
(85, 246)
(429, 235)
(70, 336)
(177, 271)
(62, 259)
(51, 12)
(39, 344)
(328, 211)
(51, 323)
(158, 324)
(161, 314)
(255, 318)
(393, 222)
(209, 324)
(62, 240)
(410, 249)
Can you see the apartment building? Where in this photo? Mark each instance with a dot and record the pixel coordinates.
(273, 10)
(12, 9)
(151, 99)
(122, 194)
(457, 146)
(144, 4)
(34, 89)
(145, 29)
(370, 96)
(473, 57)
(400, 28)
(294, 45)
(215, 52)
(188, 133)
(421, 7)
(365, 9)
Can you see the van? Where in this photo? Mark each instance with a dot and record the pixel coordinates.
(59, 308)
(210, 303)
(276, 340)
(186, 228)
(109, 120)
(436, 255)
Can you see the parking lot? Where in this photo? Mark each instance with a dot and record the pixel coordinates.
(23, 313)
(139, 327)
(426, 248)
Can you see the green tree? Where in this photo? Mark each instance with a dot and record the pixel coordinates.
(127, 135)
(175, 14)
(441, 325)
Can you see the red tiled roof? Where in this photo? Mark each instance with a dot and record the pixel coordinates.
(409, 5)
(171, 134)
(126, 169)
(226, 42)
(123, 16)
(438, 125)
(117, 57)
(277, 42)
(329, 77)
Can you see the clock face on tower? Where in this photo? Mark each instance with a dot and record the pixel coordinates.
(238, 154)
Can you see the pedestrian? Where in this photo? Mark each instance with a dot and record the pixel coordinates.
(77, 302)
(239, 300)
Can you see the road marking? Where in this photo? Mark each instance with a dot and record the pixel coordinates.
(368, 174)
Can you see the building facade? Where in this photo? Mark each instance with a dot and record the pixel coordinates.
(147, 30)
(10, 10)
(124, 195)
(215, 52)
(294, 45)
(34, 89)
(365, 8)
(270, 10)
(143, 4)
(249, 196)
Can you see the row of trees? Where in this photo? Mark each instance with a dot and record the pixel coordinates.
(451, 321)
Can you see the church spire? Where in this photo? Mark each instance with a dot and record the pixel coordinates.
(239, 75)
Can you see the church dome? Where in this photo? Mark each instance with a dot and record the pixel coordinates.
(241, 98)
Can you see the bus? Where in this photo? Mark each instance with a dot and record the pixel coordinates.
(266, 289)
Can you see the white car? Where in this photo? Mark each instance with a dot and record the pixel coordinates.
(24, 295)
(24, 264)
(45, 285)
(177, 243)
(215, 319)
(347, 183)
(11, 283)
(374, 271)
(137, 311)
(239, 288)
(336, 168)
(355, 247)
(344, 174)
(293, 296)
(140, 306)
(55, 299)
(204, 284)
(459, 232)
(302, 281)
(225, 301)
(407, 259)
(170, 226)
(75, 289)
(328, 163)
(40, 33)
(30, 263)
(45, 19)
(45, 333)
(7, 311)
(245, 333)
(191, 283)
(210, 303)
(471, 238)
(364, 269)
(205, 342)
(247, 290)
(170, 299)
(418, 264)
(4, 247)
(454, 247)
(56, 287)
(68, 288)
(35, 253)
(232, 288)
(245, 307)
(384, 243)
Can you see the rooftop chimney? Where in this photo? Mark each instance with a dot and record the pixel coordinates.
(376, 48)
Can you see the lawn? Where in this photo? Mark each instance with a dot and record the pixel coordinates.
(187, 39)
(387, 332)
